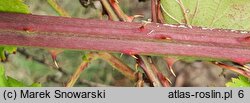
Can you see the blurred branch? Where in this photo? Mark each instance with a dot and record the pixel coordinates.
(115, 12)
(83, 65)
(109, 10)
(42, 61)
(243, 72)
(154, 10)
(184, 11)
(160, 17)
(57, 8)
(118, 64)
(145, 64)
(164, 80)
(119, 12)
(29, 56)
(140, 82)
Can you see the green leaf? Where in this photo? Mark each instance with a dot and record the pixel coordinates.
(3, 80)
(14, 83)
(7, 49)
(241, 81)
(10, 49)
(2, 55)
(227, 14)
(15, 6)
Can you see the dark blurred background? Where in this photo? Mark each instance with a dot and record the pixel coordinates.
(35, 64)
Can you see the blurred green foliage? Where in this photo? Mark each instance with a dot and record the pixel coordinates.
(241, 81)
(16, 6)
(11, 82)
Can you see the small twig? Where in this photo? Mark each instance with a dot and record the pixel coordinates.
(159, 12)
(122, 16)
(164, 80)
(57, 8)
(27, 55)
(109, 10)
(118, 64)
(145, 64)
(42, 61)
(184, 11)
(154, 11)
(140, 81)
(237, 70)
(195, 11)
(79, 70)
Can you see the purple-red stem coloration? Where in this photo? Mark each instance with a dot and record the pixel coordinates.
(128, 38)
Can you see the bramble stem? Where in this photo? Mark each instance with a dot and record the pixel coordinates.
(128, 38)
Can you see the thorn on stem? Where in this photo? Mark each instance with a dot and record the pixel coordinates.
(245, 39)
(168, 80)
(53, 54)
(144, 23)
(28, 29)
(136, 67)
(121, 55)
(134, 56)
(170, 63)
(55, 62)
(130, 52)
(131, 18)
(172, 71)
(162, 36)
(151, 32)
(246, 68)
